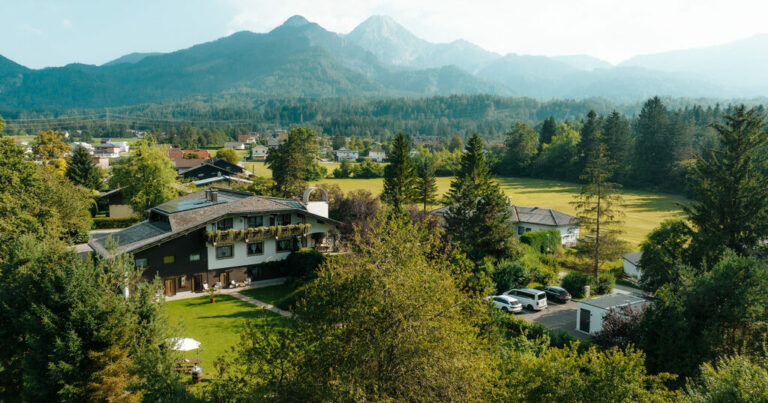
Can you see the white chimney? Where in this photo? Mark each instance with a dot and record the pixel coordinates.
(319, 207)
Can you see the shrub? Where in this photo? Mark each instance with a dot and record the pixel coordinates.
(302, 263)
(543, 241)
(80, 237)
(113, 222)
(509, 275)
(620, 327)
(542, 274)
(574, 283)
(605, 283)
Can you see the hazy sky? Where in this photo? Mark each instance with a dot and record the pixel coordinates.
(40, 33)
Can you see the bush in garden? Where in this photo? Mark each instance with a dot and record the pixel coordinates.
(509, 275)
(620, 327)
(574, 283)
(543, 241)
(605, 283)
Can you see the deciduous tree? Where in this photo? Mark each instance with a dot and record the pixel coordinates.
(229, 155)
(147, 178)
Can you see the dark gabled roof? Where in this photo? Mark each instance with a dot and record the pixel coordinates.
(217, 163)
(531, 215)
(191, 212)
(543, 216)
(633, 257)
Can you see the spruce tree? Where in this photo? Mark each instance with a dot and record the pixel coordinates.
(426, 185)
(658, 144)
(294, 163)
(617, 135)
(548, 130)
(729, 188)
(400, 174)
(591, 137)
(478, 216)
(599, 207)
(81, 170)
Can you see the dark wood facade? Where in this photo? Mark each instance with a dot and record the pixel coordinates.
(185, 273)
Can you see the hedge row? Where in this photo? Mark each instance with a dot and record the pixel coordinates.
(113, 222)
(543, 241)
(575, 282)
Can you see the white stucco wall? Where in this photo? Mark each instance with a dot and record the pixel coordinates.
(596, 319)
(240, 255)
(630, 269)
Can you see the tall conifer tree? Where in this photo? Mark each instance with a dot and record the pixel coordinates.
(478, 216)
(294, 163)
(400, 174)
(81, 170)
(548, 130)
(729, 188)
(591, 137)
(599, 206)
(617, 135)
(426, 185)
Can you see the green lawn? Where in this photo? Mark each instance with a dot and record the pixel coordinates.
(644, 212)
(271, 295)
(217, 325)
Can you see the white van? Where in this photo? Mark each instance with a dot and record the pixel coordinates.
(535, 300)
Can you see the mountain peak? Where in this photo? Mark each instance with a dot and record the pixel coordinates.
(295, 21)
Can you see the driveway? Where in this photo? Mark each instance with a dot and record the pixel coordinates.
(557, 317)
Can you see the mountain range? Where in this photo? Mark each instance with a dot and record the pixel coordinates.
(379, 58)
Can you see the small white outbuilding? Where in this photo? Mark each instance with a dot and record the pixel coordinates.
(590, 312)
(632, 264)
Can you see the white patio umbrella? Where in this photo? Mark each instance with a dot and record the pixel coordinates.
(185, 344)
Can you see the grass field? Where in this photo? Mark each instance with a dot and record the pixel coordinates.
(216, 326)
(644, 211)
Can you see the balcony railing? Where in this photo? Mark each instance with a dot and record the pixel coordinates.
(256, 234)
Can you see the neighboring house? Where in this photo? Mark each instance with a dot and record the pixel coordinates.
(274, 141)
(106, 150)
(212, 168)
(122, 145)
(87, 146)
(113, 203)
(345, 154)
(377, 154)
(235, 145)
(528, 219)
(632, 264)
(101, 162)
(247, 138)
(185, 164)
(591, 312)
(217, 236)
(259, 153)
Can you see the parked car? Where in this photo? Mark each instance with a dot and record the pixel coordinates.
(505, 303)
(555, 293)
(534, 300)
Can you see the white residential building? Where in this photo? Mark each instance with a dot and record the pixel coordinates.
(377, 154)
(345, 154)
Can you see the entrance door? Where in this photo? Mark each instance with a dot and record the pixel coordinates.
(197, 283)
(224, 278)
(584, 320)
(170, 287)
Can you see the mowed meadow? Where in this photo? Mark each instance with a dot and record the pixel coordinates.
(644, 210)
